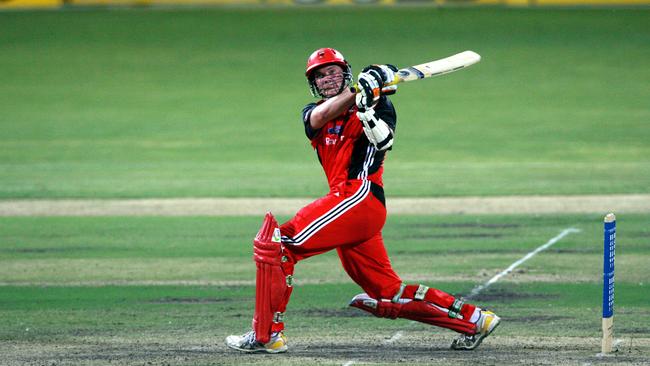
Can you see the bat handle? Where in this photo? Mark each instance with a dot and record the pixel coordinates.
(355, 88)
(395, 81)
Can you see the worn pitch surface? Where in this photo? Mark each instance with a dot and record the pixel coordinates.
(167, 290)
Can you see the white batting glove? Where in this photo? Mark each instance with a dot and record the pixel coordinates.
(388, 90)
(376, 130)
(369, 90)
(387, 75)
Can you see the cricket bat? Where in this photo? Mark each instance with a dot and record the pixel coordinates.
(437, 67)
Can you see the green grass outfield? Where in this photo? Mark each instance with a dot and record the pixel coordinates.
(168, 290)
(183, 103)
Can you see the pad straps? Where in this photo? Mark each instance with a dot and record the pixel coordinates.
(422, 294)
(399, 293)
(454, 309)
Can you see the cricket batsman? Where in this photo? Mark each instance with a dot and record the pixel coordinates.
(351, 129)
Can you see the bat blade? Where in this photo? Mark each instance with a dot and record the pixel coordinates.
(437, 67)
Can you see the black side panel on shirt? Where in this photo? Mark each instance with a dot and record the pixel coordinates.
(386, 112)
(306, 114)
(363, 154)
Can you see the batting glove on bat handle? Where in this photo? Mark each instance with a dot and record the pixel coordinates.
(390, 86)
(369, 84)
(385, 75)
(386, 90)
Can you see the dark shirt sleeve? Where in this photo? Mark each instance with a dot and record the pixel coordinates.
(306, 115)
(386, 112)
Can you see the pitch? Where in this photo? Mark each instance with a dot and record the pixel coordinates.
(166, 291)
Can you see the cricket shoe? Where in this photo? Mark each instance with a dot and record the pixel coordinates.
(486, 324)
(248, 343)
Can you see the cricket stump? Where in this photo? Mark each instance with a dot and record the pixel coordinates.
(609, 253)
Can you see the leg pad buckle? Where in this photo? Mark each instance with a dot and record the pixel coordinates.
(454, 309)
(421, 292)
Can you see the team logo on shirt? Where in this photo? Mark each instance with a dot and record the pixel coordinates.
(336, 130)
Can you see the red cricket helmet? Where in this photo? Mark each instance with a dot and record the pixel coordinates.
(322, 57)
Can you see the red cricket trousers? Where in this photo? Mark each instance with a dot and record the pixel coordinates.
(348, 219)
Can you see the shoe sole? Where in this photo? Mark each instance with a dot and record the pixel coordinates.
(259, 350)
(479, 340)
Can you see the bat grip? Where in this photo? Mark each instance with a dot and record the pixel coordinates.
(395, 81)
(355, 88)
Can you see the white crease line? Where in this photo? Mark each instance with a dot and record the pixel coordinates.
(494, 279)
(348, 363)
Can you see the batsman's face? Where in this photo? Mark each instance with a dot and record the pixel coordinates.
(329, 80)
